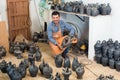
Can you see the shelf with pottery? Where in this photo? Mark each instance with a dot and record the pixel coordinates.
(84, 15)
(71, 13)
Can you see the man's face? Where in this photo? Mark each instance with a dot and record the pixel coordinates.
(56, 18)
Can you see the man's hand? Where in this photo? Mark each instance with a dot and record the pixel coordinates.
(73, 39)
(59, 46)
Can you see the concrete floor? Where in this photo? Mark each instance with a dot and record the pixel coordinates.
(92, 69)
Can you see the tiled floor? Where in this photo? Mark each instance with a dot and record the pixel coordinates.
(92, 70)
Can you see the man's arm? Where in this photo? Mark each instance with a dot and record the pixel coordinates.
(49, 33)
(69, 28)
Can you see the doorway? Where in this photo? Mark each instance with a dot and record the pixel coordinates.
(18, 18)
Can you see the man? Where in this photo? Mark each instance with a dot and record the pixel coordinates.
(55, 31)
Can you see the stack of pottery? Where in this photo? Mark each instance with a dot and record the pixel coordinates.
(79, 7)
(107, 53)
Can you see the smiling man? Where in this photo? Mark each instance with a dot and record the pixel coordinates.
(55, 31)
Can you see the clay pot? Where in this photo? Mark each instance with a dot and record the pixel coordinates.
(79, 71)
(26, 63)
(35, 38)
(11, 49)
(10, 71)
(110, 77)
(95, 11)
(103, 9)
(101, 77)
(117, 53)
(57, 7)
(3, 66)
(23, 65)
(82, 8)
(41, 66)
(22, 71)
(112, 63)
(16, 75)
(108, 8)
(111, 51)
(47, 71)
(117, 65)
(88, 10)
(110, 41)
(32, 48)
(66, 41)
(22, 46)
(9, 66)
(38, 54)
(17, 51)
(67, 62)
(75, 63)
(105, 48)
(2, 52)
(70, 9)
(51, 77)
(33, 70)
(66, 73)
(58, 61)
(98, 47)
(98, 58)
(116, 44)
(57, 76)
(105, 61)
(31, 58)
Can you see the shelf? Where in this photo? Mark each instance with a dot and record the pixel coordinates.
(71, 13)
(85, 15)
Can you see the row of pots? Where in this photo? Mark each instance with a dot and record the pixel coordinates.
(80, 7)
(76, 66)
(23, 46)
(17, 73)
(18, 48)
(107, 53)
(38, 36)
(14, 73)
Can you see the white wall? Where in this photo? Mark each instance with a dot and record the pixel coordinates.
(100, 28)
(3, 11)
(34, 15)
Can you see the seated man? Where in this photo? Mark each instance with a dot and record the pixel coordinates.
(55, 31)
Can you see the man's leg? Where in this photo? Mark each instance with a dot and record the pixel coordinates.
(64, 54)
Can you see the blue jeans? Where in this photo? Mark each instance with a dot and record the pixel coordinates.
(65, 51)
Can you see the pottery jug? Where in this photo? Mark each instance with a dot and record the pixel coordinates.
(47, 71)
(67, 62)
(58, 61)
(33, 70)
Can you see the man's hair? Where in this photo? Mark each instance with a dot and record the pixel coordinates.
(55, 13)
